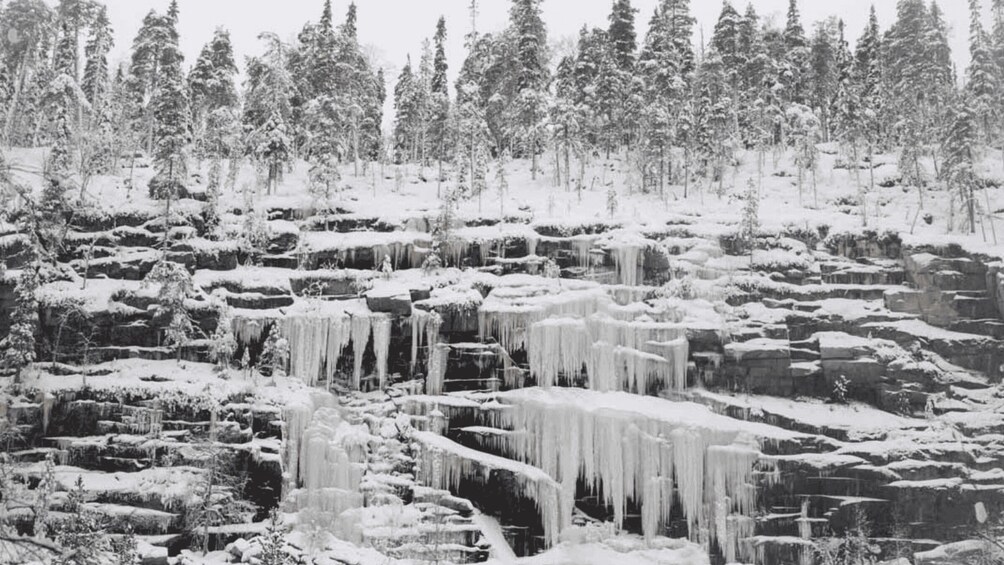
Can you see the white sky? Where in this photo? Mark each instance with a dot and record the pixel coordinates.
(395, 28)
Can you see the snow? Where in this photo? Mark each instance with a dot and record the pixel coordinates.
(856, 418)
(597, 545)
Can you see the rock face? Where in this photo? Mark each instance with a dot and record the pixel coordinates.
(141, 455)
(880, 358)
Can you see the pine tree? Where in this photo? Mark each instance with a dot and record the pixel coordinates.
(99, 43)
(26, 27)
(406, 114)
(273, 542)
(623, 39)
(867, 59)
(268, 110)
(211, 83)
(824, 70)
(171, 131)
(174, 288)
(154, 36)
(666, 65)
(440, 112)
(358, 93)
(752, 93)
(750, 225)
(982, 86)
(797, 55)
(960, 160)
(529, 105)
(73, 16)
(19, 346)
(908, 69)
(725, 41)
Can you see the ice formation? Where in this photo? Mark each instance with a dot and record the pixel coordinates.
(297, 416)
(324, 456)
(381, 346)
(424, 329)
(439, 355)
(248, 329)
(558, 346)
(361, 326)
(316, 344)
(445, 463)
(617, 355)
(332, 460)
(508, 313)
(626, 259)
(640, 448)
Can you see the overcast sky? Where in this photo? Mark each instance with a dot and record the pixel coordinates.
(395, 28)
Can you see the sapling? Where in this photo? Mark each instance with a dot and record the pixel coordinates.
(751, 218)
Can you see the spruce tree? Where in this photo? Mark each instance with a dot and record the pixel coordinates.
(406, 114)
(960, 150)
(171, 131)
(797, 55)
(440, 112)
(982, 86)
(529, 105)
(155, 35)
(95, 83)
(19, 346)
(268, 110)
(623, 39)
(823, 70)
(211, 81)
(912, 96)
(25, 30)
(213, 96)
(725, 41)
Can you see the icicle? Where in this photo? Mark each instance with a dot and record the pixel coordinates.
(602, 368)
(361, 326)
(296, 417)
(439, 355)
(626, 259)
(48, 401)
(633, 448)
(248, 330)
(381, 346)
(804, 525)
(508, 315)
(531, 245)
(424, 329)
(339, 335)
(419, 319)
(558, 346)
(444, 464)
(582, 249)
(331, 462)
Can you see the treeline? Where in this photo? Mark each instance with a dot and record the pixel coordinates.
(681, 113)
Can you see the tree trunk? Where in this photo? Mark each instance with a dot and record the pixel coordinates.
(568, 169)
(9, 122)
(533, 163)
(167, 211)
(990, 214)
(686, 172)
